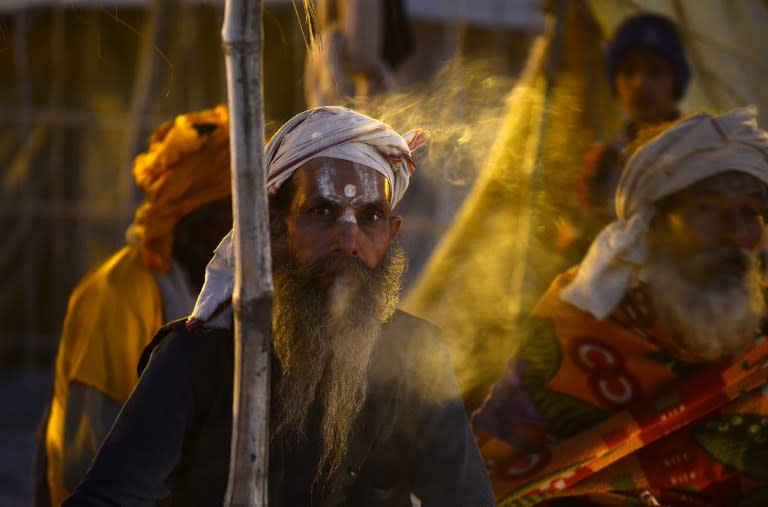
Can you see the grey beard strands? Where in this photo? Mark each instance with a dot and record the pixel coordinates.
(706, 323)
(324, 336)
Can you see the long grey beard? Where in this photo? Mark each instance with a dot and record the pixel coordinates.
(324, 336)
(706, 323)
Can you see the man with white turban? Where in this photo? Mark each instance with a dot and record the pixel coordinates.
(642, 376)
(364, 406)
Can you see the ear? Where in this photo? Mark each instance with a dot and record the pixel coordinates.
(394, 226)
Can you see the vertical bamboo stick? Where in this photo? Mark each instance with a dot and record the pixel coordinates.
(252, 297)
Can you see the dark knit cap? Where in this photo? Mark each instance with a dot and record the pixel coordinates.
(654, 32)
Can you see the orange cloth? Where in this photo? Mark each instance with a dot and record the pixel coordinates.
(181, 171)
(597, 409)
(112, 314)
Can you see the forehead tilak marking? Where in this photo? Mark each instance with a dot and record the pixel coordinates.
(370, 182)
(328, 190)
(348, 216)
(325, 181)
(367, 189)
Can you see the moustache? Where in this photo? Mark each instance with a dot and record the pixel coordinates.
(726, 263)
(327, 269)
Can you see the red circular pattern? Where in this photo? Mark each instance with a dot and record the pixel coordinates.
(608, 378)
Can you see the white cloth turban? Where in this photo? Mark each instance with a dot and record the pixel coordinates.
(338, 132)
(328, 131)
(694, 149)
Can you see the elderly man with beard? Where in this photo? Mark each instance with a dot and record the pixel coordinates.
(642, 378)
(365, 410)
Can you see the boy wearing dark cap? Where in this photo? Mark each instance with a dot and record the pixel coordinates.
(648, 71)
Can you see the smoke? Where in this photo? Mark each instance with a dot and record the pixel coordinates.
(502, 250)
(516, 147)
(461, 108)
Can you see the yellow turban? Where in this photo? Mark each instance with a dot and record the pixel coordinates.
(187, 165)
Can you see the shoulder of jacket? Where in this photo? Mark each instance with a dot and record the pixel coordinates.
(177, 330)
(412, 342)
(405, 319)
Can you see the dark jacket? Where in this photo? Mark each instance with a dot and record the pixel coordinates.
(171, 440)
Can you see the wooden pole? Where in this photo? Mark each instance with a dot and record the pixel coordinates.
(252, 296)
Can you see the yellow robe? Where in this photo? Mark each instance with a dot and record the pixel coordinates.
(112, 314)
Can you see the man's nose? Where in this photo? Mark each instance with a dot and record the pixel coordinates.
(346, 238)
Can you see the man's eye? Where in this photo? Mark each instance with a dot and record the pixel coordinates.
(705, 207)
(753, 211)
(373, 216)
(321, 210)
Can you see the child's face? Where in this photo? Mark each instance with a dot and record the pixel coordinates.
(645, 84)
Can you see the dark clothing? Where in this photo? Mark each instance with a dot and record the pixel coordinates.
(172, 438)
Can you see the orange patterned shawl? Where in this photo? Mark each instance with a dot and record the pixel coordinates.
(597, 409)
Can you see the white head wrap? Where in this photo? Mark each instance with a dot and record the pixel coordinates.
(328, 131)
(694, 149)
(338, 132)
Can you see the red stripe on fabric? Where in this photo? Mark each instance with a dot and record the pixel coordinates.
(719, 129)
(193, 323)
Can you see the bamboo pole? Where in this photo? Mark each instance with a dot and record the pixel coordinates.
(252, 297)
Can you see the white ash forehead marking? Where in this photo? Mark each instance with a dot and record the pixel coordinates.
(352, 193)
(369, 181)
(325, 181)
(348, 216)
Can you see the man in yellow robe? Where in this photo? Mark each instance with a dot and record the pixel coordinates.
(642, 378)
(117, 307)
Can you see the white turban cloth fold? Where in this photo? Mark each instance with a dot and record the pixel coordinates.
(328, 131)
(338, 132)
(689, 151)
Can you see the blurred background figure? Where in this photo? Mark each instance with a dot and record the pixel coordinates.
(359, 45)
(647, 70)
(115, 310)
(640, 375)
